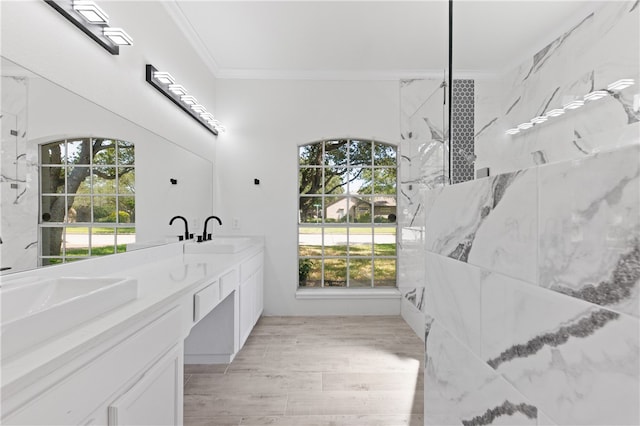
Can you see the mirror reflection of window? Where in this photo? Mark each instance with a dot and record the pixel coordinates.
(87, 198)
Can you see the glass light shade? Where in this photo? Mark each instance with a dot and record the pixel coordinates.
(206, 116)
(539, 119)
(198, 108)
(513, 131)
(525, 126)
(177, 89)
(189, 100)
(118, 36)
(91, 12)
(164, 77)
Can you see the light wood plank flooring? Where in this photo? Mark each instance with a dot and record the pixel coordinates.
(304, 371)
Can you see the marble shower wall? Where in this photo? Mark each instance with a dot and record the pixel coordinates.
(423, 154)
(599, 47)
(18, 182)
(532, 295)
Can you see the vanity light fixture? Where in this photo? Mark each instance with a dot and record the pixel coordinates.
(93, 21)
(118, 36)
(91, 12)
(198, 108)
(621, 84)
(166, 84)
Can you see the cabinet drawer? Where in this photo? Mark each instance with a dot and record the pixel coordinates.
(75, 396)
(205, 300)
(250, 266)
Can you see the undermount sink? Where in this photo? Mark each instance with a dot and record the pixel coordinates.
(37, 309)
(218, 245)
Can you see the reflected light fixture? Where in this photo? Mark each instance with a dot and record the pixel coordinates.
(576, 103)
(621, 84)
(555, 112)
(166, 84)
(595, 95)
(94, 22)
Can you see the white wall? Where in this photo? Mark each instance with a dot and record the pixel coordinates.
(266, 120)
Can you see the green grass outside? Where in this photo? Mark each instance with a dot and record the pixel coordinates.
(96, 251)
(335, 270)
(354, 231)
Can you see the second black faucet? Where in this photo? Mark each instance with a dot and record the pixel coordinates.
(205, 236)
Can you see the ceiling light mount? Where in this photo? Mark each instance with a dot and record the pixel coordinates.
(166, 84)
(94, 22)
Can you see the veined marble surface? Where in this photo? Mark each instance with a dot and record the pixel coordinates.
(488, 222)
(462, 389)
(579, 362)
(599, 48)
(453, 297)
(589, 244)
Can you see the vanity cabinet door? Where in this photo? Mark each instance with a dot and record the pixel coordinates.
(247, 304)
(156, 399)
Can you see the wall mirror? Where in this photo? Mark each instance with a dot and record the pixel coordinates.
(80, 181)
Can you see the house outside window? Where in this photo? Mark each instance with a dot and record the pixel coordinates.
(347, 209)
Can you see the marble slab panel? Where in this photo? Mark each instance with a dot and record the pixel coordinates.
(579, 362)
(589, 244)
(487, 222)
(453, 297)
(462, 389)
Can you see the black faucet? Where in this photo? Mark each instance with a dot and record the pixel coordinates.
(205, 236)
(186, 236)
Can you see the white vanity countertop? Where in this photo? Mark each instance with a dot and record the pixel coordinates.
(164, 275)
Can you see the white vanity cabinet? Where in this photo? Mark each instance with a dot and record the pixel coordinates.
(251, 295)
(218, 335)
(115, 383)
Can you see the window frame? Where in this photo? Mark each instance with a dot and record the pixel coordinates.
(349, 224)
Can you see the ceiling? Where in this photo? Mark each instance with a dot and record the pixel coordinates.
(367, 39)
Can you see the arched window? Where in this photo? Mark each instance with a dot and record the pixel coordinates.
(87, 198)
(347, 214)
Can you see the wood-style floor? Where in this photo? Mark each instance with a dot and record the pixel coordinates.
(303, 371)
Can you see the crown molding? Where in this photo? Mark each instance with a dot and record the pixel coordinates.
(361, 75)
(175, 12)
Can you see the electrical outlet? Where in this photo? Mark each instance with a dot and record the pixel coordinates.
(235, 223)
